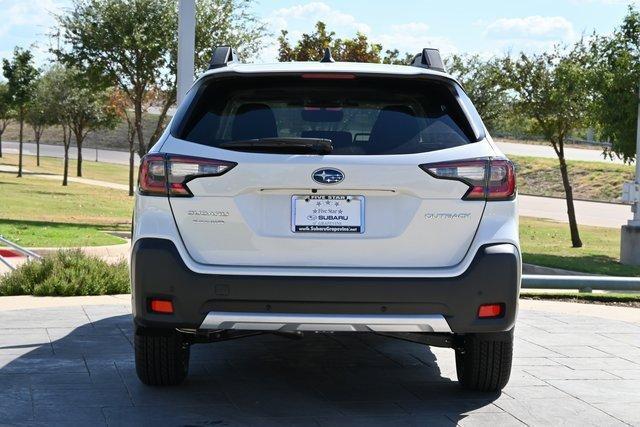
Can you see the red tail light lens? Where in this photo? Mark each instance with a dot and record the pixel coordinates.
(161, 306)
(488, 179)
(152, 175)
(491, 311)
(168, 174)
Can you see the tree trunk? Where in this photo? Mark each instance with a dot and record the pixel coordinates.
(38, 135)
(79, 163)
(142, 150)
(132, 153)
(66, 140)
(65, 173)
(1, 143)
(20, 145)
(568, 191)
(168, 102)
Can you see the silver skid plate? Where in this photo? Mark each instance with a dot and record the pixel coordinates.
(325, 322)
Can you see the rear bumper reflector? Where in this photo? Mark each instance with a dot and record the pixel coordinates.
(325, 322)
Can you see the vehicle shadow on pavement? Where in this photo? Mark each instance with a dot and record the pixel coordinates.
(86, 374)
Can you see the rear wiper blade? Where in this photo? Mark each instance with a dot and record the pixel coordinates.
(281, 145)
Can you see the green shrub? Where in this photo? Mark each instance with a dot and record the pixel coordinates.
(67, 273)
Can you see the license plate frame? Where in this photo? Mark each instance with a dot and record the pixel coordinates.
(333, 202)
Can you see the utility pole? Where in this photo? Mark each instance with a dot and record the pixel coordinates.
(630, 238)
(186, 46)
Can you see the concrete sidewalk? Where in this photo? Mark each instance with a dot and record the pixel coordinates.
(73, 365)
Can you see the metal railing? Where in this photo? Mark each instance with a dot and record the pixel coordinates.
(582, 283)
(26, 252)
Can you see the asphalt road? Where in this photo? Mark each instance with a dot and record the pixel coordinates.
(588, 213)
(107, 156)
(546, 151)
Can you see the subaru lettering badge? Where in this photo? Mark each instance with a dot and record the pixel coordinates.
(327, 176)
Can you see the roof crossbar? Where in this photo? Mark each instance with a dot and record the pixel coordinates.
(222, 56)
(429, 58)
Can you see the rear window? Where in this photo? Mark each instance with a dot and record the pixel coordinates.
(361, 116)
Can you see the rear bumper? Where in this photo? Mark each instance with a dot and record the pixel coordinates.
(207, 301)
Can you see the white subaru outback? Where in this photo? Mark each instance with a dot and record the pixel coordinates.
(326, 197)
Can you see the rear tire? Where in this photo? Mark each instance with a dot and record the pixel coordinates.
(483, 361)
(162, 356)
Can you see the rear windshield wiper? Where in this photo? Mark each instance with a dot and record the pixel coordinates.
(281, 145)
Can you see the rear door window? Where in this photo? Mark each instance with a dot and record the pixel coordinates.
(363, 116)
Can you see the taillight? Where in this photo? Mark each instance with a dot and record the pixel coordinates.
(488, 179)
(168, 174)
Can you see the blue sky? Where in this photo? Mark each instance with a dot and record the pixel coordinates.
(486, 27)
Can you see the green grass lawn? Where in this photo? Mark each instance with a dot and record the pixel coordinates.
(41, 212)
(56, 234)
(548, 243)
(590, 180)
(109, 172)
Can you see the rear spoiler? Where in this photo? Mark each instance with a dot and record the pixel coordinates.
(429, 58)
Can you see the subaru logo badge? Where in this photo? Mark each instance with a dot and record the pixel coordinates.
(327, 176)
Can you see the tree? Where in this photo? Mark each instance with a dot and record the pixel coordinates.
(484, 83)
(393, 57)
(132, 45)
(57, 89)
(37, 116)
(122, 105)
(615, 78)
(553, 89)
(6, 113)
(311, 47)
(21, 75)
(89, 109)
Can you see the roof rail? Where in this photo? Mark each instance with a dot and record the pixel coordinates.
(327, 57)
(429, 58)
(222, 56)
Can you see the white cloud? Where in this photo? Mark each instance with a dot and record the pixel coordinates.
(535, 28)
(412, 37)
(33, 13)
(312, 12)
(411, 27)
(26, 24)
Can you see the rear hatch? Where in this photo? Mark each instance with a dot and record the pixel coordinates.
(252, 187)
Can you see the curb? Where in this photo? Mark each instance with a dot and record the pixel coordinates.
(110, 252)
(551, 271)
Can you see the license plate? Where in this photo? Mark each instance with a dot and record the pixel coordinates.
(327, 214)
